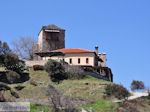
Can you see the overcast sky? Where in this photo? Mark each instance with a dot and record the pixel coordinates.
(121, 28)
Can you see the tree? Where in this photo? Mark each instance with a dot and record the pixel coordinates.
(137, 85)
(56, 71)
(23, 47)
(5, 46)
(4, 49)
(117, 91)
(10, 60)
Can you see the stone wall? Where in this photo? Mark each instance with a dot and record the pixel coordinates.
(49, 40)
(31, 63)
(53, 40)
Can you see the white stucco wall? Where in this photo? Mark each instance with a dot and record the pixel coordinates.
(75, 57)
(54, 58)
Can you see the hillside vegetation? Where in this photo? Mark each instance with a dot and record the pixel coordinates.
(90, 90)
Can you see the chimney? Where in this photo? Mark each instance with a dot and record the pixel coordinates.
(96, 49)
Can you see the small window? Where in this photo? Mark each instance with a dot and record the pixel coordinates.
(78, 60)
(87, 60)
(70, 61)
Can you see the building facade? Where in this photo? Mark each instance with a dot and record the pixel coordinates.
(75, 56)
(51, 40)
(51, 45)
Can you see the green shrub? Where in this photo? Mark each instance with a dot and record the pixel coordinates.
(117, 91)
(55, 70)
(38, 67)
(10, 60)
(13, 63)
(12, 77)
(137, 85)
(59, 71)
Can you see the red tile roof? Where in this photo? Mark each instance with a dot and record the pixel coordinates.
(73, 50)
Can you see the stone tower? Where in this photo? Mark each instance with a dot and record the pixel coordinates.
(104, 58)
(50, 38)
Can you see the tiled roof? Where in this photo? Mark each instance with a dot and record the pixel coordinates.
(73, 50)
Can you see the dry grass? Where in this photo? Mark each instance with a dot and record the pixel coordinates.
(89, 88)
(31, 91)
(40, 76)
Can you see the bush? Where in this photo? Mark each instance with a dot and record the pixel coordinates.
(38, 67)
(55, 70)
(74, 72)
(12, 62)
(12, 77)
(59, 71)
(137, 85)
(9, 59)
(117, 91)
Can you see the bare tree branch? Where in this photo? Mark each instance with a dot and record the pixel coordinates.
(23, 46)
